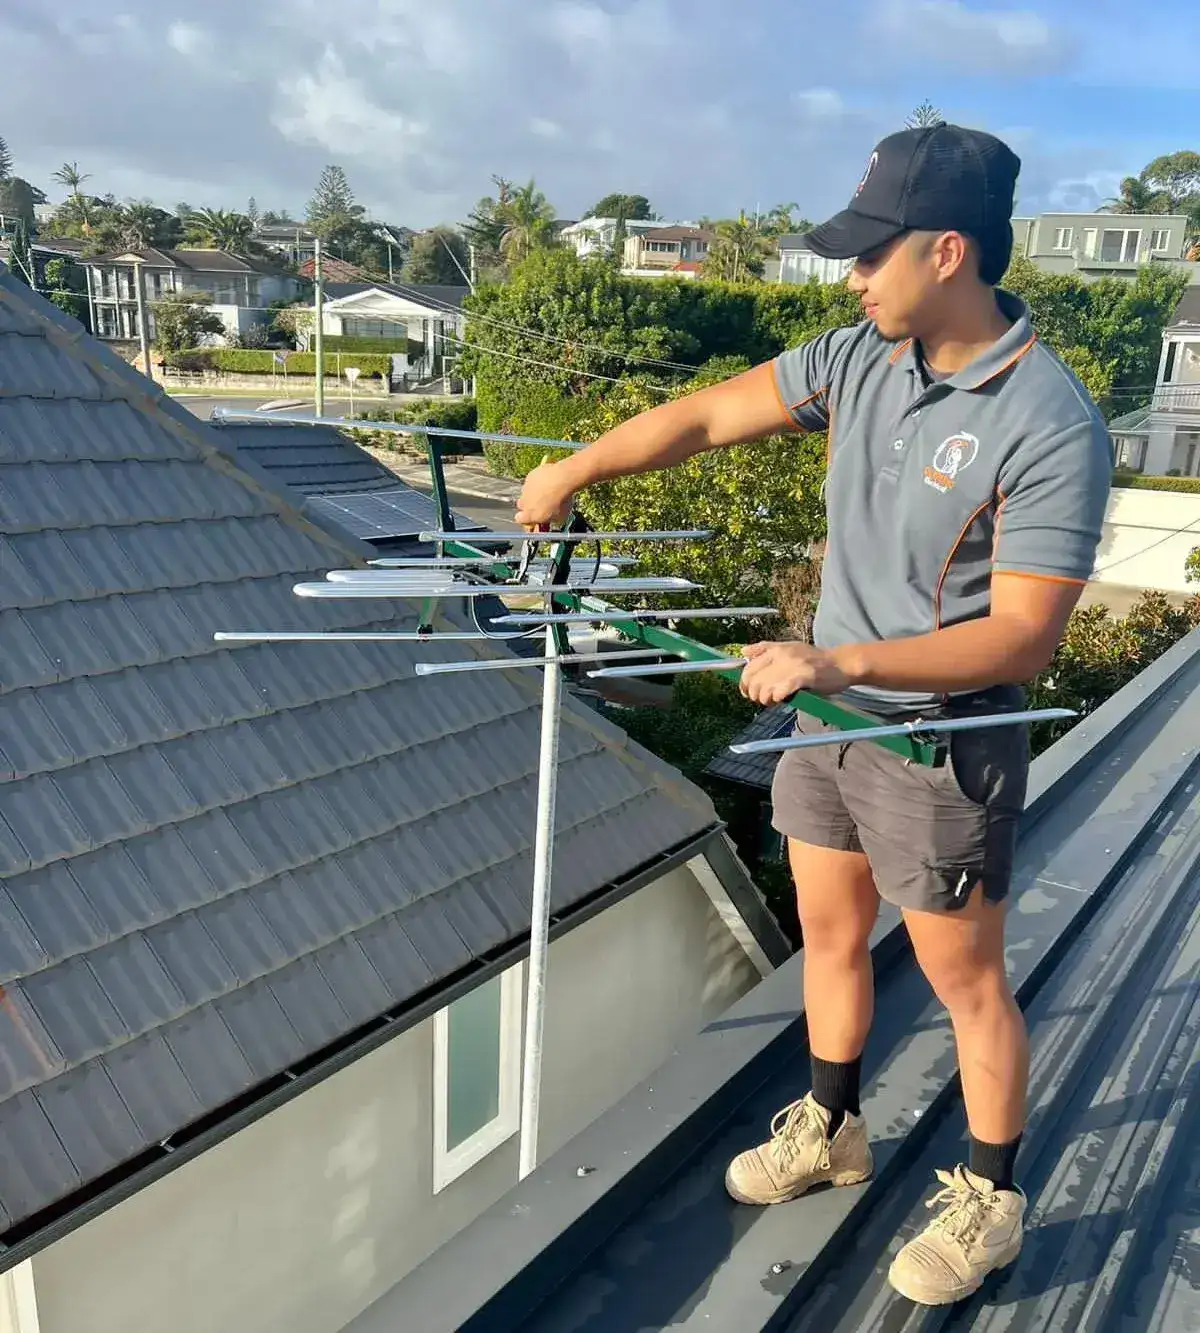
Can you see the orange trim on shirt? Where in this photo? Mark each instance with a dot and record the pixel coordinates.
(1008, 365)
(899, 351)
(1044, 578)
(958, 541)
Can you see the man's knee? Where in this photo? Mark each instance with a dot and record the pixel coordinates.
(967, 987)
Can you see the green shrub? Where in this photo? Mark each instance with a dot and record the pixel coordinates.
(337, 343)
(453, 413)
(532, 408)
(1138, 481)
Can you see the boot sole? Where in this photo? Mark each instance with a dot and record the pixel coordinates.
(918, 1296)
(786, 1196)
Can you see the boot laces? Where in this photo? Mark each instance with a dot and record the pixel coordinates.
(965, 1209)
(789, 1127)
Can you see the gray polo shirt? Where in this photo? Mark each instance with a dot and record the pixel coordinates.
(1005, 465)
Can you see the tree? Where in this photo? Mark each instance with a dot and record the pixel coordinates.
(1191, 566)
(1137, 196)
(252, 212)
(20, 255)
(432, 256)
(5, 161)
(66, 287)
(143, 224)
(923, 115)
(623, 207)
(332, 206)
(739, 253)
(181, 319)
(485, 224)
(17, 198)
(219, 229)
(527, 221)
(780, 221)
(1176, 176)
(70, 176)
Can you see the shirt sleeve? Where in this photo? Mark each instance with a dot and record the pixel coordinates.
(804, 377)
(1053, 494)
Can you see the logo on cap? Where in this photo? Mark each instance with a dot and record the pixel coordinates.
(950, 457)
(872, 161)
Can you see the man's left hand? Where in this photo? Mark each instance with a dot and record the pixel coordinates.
(775, 671)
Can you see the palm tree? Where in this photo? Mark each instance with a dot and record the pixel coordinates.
(70, 176)
(528, 218)
(1137, 197)
(219, 229)
(739, 251)
(139, 226)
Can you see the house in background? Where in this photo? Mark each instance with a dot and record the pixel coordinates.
(429, 316)
(1163, 438)
(240, 289)
(291, 241)
(799, 264)
(661, 250)
(266, 906)
(1097, 245)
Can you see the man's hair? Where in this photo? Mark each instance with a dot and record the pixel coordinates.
(992, 251)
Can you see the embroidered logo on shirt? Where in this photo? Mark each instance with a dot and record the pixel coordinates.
(950, 457)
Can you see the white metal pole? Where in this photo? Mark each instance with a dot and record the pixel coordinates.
(319, 330)
(539, 937)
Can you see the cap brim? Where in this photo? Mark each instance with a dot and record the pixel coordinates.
(849, 234)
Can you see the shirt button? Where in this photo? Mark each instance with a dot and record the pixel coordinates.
(897, 445)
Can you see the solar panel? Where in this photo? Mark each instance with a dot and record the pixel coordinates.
(398, 511)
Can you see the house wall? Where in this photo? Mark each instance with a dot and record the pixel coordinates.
(301, 1220)
(1146, 539)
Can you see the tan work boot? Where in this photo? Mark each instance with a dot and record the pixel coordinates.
(800, 1154)
(978, 1231)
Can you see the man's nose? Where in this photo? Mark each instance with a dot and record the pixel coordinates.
(855, 282)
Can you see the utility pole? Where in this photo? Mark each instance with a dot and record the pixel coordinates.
(474, 270)
(139, 283)
(319, 331)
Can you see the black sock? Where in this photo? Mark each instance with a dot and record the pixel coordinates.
(835, 1087)
(994, 1161)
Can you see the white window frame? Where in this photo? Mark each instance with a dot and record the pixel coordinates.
(1063, 237)
(1125, 233)
(450, 1163)
(1091, 241)
(1160, 240)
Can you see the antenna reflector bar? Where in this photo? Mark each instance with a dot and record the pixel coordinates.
(675, 668)
(618, 616)
(553, 538)
(404, 588)
(352, 636)
(511, 664)
(917, 728)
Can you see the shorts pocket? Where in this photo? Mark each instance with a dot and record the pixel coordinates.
(989, 768)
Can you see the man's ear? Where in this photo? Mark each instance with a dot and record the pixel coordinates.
(952, 252)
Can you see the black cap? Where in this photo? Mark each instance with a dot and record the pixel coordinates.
(936, 178)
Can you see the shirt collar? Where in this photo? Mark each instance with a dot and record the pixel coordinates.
(1006, 351)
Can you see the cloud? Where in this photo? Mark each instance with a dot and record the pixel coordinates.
(422, 104)
(948, 33)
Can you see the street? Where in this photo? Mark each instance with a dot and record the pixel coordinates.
(203, 407)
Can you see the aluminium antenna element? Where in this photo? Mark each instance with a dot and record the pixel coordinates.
(520, 535)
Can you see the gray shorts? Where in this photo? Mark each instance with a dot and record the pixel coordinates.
(930, 834)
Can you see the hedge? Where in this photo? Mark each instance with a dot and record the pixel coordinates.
(453, 413)
(536, 408)
(412, 347)
(243, 361)
(1136, 481)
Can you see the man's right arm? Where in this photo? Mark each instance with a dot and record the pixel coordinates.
(788, 393)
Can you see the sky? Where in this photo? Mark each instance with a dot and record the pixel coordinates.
(705, 106)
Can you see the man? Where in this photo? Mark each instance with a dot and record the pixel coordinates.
(968, 472)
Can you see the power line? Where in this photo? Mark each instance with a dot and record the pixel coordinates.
(548, 365)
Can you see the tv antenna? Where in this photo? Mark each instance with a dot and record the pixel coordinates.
(562, 575)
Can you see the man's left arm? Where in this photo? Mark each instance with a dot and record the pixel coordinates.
(1049, 521)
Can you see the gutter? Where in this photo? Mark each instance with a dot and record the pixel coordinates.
(34, 1234)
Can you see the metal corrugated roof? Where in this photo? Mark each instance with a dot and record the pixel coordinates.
(217, 860)
(754, 770)
(629, 1226)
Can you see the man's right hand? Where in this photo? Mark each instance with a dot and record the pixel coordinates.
(546, 498)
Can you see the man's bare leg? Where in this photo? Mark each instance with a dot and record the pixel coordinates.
(838, 903)
(962, 955)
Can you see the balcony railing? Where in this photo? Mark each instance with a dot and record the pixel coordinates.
(1177, 398)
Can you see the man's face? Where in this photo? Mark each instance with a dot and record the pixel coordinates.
(901, 284)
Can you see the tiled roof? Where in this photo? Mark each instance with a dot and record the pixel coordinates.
(217, 860)
(755, 770)
(1187, 312)
(1131, 423)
